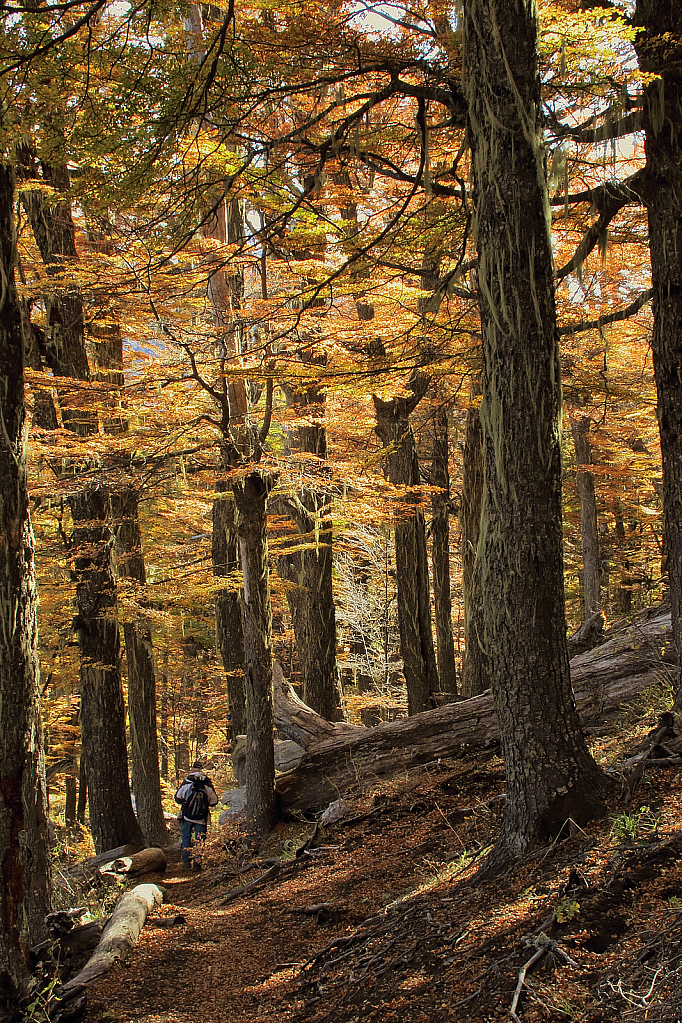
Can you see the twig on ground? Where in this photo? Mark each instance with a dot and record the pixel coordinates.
(522, 976)
(258, 882)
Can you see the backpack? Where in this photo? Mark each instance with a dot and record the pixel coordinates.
(195, 805)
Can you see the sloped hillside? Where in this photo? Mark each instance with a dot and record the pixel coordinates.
(380, 917)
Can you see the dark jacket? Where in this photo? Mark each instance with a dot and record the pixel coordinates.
(186, 788)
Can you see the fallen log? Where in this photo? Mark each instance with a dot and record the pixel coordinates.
(118, 938)
(634, 658)
(151, 860)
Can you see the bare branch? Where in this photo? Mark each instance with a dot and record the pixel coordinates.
(620, 314)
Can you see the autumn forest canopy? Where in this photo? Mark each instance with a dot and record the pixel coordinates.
(343, 334)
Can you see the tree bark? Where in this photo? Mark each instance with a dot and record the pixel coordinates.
(550, 774)
(475, 671)
(339, 757)
(412, 569)
(251, 496)
(228, 604)
(588, 517)
(660, 52)
(440, 560)
(25, 887)
(103, 730)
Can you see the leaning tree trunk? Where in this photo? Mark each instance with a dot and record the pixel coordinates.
(440, 559)
(112, 820)
(228, 604)
(589, 529)
(24, 863)
(412, 568)
(551, 776)
(144, 745)
(251, 496)
(659, 49)
(475, 669)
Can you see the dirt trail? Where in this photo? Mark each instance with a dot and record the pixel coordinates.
(241, 961)
(406, 939)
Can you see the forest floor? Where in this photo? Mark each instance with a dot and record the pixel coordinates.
(402, 932)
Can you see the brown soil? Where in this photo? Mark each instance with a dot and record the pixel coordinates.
(405, 935)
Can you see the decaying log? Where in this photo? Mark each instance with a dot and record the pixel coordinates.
(636, 657)
(118, 938)
(151, 860)
(63, 920)
(70, 948)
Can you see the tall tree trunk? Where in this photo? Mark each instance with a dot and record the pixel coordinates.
(144, 746)
(24, 865)
(112, 820)
(44, 411)
(440, 559)
(225, 224)
(65, 353)
(70, 800)
(228, 604)
(551, 776)
(54, 233)
(311, 601)
(412, 569)
(124, 507)
(226, 291)
(660, 51)
(475, 668)
(82, 789)
(623, 595)
(311, 597)
(251, 495)
(312, 609)
(163, 729)
(588, 517)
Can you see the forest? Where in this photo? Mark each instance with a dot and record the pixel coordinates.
(341, 386)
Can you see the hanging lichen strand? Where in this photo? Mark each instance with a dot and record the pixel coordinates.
(551, 778)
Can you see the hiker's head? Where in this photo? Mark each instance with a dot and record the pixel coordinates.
(197, 765)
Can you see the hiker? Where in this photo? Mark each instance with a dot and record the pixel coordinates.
(196, 794)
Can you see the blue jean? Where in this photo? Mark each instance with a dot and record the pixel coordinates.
(199, 837)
